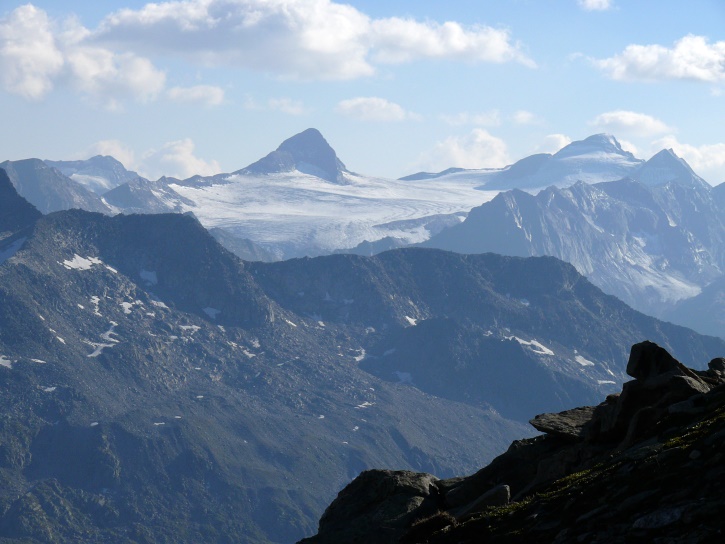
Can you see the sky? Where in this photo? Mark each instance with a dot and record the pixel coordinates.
(188, 87)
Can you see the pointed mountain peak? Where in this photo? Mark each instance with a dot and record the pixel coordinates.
(665, 167)
(600, 144)
(306, 152)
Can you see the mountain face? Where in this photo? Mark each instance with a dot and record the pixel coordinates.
(143, 196)
(666, 167)
(307, 152)
(48, 189)
(98, 174)
(650, 246)
(156, 388)
(595, 159)
(642, 466)
(15, 211)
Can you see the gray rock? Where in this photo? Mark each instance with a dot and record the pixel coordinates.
(567, 424)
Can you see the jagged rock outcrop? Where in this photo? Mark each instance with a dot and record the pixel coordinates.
(645, 466)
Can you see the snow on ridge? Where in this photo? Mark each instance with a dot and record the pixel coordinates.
(5, 362)
(82, 263)
(535, 346)
(584, 362)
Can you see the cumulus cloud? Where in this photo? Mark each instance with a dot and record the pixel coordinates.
(207, 95)
(707, 160)
(595, 5)
(630, 122)
(287, 105)
(490, 118)
(553, 143)
(398, 40)
(284, 105)
(372, 108)
(175, 159)
(36, 54)
(523, 117)
(30, 59)
(305, 39)
(115, 148)
(690, 58)
(479, 149)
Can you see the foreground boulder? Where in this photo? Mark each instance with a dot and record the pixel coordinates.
(646, 465)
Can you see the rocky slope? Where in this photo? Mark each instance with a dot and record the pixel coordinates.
(49, 190)
(643, 466)
(156, 388)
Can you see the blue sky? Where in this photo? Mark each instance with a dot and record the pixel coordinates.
(202, 86)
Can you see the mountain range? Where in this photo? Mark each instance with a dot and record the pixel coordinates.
(650, 232)
(157, 388)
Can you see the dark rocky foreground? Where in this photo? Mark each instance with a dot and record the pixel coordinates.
(646, 465)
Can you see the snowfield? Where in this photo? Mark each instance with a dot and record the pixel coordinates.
(304, 214)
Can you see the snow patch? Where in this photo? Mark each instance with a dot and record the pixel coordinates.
(7, 363)
(107, 336)
(159, 304)
(192, 328)
(81, 263)
(96, 301)
(39, 361)
(584, 362)
(127, 306)
(60, 339)
(365, 404)
(212, 312)
(320, 417)
(535, 346)
(248, 353)
(290, 323)
(49, 389)
(359, 358)
(94, 424)
(603, 382)
(413, 322)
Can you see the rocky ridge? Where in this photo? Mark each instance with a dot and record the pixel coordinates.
(646, 465)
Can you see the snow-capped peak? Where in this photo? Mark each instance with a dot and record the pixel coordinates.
(597, 144)
(307, 152)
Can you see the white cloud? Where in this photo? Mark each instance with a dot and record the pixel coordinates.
(207, 95)
(707, 160)
(287, 105)
(373, 108)
(523, 117)
(305, 39)
(479, 149)
(630, 122)
(175, 159)
(553, 143)
(284, 105)
(398, 40)
(115, 148)
(490, 118)
(36, 54)
(691, 58)
(30, 59)
(595, 5)
(109, 78)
